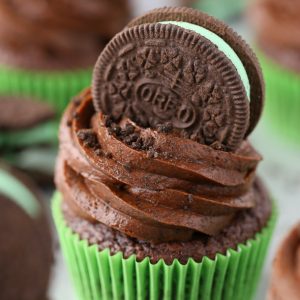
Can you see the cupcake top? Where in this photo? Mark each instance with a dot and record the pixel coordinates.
(26, 248)
(286, 268)
(57, 34)
(157, 148)
(277, 26)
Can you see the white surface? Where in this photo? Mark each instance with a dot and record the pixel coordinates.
(61, 287)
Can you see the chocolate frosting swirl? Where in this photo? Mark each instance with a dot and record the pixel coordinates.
(286, 268)
(277, 25)
(53, 34)
(161, 187)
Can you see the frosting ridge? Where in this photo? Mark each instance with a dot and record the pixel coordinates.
(147, 183)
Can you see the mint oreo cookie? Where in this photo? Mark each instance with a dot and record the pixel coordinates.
(176, 74)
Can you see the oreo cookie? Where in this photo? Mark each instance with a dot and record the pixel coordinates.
(26, 247)
(168, 70)
(234, 40)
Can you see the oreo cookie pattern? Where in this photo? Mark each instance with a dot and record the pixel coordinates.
(162, 74)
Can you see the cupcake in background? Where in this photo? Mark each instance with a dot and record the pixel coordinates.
(26, 247)
(276, 25)
(28, 136)
(47, 51)
(158, 196)
(285, 280)
(48, 48)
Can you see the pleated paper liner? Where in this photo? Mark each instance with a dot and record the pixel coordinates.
(282, 100)
(99, 275)
(56, 88)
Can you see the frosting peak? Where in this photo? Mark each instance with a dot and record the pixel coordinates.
(149, 184)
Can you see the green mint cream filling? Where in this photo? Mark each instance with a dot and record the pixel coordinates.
(222, 46)
(15, 190)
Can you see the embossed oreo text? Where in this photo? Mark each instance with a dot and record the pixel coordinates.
(165, 104)
(162, 100)
(154, 81)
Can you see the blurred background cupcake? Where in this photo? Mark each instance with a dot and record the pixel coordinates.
(221, 9)
(285, 282)
(47, 50)
(26, 246)
(28, 131)
(277, 29)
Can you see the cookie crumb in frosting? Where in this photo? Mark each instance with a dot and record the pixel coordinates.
(88, 137)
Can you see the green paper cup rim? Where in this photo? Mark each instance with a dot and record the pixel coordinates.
(53, 87)
(99, 275)
(281, 115)
(60, 223)
(50, 73)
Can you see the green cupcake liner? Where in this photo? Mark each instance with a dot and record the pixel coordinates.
(99, 275)
(55, 88)
(282, 100)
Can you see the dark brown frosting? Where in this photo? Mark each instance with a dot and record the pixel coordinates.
(58, 34)
(285, 283)
(277, 25)
(164, 192)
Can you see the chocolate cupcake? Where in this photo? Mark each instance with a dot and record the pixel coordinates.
(157, 191)
(277, 28)
(48, 49)
(28, 135)
(286, 268)
(26, 248)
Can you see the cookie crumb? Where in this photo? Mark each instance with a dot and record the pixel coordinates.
(99, 152)
(108, 155)
(165, 128)
(75, 115)
(89, 138)
(76, 101)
